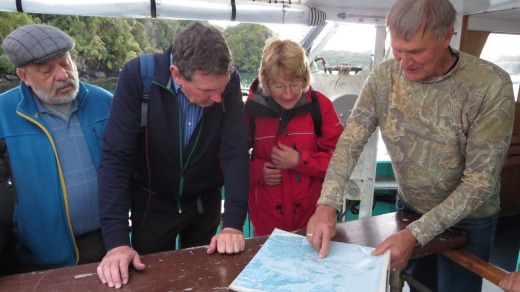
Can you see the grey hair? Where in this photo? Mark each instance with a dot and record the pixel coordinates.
(201, 47)
(407, 17)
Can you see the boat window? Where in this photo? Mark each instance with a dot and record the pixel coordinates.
(352, 45)
(504, 50)
(353, 38)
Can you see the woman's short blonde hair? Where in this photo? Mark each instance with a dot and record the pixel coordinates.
(283, 57)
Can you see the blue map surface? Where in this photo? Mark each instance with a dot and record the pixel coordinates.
(287, 262)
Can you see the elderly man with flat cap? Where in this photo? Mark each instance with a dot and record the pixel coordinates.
(50, 141)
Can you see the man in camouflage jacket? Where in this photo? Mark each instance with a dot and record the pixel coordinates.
(446, 118)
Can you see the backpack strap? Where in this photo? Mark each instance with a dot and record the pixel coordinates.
(316, 113)
(147, 71)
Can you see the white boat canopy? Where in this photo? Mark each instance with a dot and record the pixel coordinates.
(492, 15)
(241, 11)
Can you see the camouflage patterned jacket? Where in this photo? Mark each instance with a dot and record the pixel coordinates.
(446, 137)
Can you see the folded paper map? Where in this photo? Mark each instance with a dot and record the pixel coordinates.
(287, 262)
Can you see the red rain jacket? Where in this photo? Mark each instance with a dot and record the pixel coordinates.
(289, 205)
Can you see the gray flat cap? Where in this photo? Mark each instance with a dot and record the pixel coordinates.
(36, 43)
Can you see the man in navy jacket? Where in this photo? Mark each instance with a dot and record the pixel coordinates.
(170, 172)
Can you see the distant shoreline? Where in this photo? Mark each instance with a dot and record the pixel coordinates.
(109, 83)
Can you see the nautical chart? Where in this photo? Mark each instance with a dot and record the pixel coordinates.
(287, 262)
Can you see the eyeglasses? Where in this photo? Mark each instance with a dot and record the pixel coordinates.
(280, 87)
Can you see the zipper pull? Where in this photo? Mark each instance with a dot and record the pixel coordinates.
(297, 206)
(282, 126)
(279, 207)
(297, 173)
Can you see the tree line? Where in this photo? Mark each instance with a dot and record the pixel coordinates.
(104, 44)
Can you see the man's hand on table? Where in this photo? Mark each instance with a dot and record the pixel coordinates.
(229, 240)
(401, 246)
(321, 228)
(113, 269)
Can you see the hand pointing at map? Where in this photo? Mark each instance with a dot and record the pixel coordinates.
(321, 228)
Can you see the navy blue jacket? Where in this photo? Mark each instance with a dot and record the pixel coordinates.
(130, 162)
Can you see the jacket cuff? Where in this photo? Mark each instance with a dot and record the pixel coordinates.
(117, 238)
(234, 220)
(304, 157)
(337, 204)
(417, 230)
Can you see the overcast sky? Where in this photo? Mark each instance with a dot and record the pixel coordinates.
(351, 37)
(502, 44)
(359, 38)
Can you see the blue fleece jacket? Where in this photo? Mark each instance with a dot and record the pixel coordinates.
(41, 221)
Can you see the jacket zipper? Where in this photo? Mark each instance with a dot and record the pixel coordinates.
(62, 179)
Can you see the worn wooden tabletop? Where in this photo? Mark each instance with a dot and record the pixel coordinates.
(194, 270)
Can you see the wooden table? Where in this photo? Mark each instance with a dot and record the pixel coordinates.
(194, 270)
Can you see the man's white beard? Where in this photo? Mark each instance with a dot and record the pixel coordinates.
(66, 97)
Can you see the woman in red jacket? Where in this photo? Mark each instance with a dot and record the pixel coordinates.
(293, 131)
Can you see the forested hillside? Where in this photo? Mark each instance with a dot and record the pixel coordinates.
(104, 44)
